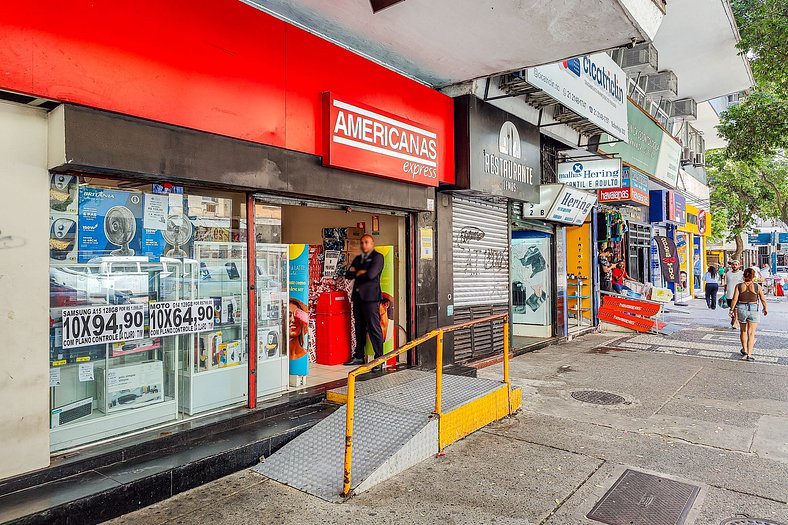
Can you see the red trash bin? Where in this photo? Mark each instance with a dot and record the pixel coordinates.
(332, 327)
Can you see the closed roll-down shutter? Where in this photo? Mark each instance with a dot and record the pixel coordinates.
(480, 267)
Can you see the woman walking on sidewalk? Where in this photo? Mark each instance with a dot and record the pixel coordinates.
(745, 307)
(712, 279)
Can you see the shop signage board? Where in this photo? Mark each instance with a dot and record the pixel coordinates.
(591, 174)
(572, 206)
(592, 86)
(181, 317)
(658, 206)
(634, 189)
(677, 208)
(368, 140)
(761, 239)
(650, 149)
(698, 221)
(90, 325)
(560, 203)
(499, 154)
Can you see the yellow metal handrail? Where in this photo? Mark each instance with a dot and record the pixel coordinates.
(437, 334)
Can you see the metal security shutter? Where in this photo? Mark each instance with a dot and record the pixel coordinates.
(480, 267)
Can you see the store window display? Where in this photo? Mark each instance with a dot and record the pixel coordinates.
(147, 296)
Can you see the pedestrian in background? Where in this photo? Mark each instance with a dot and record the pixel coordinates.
(712, 279)
(745, 308)
(733, 277)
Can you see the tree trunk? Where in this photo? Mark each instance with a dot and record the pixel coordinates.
(739, 248)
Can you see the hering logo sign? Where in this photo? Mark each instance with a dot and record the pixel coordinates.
(601, 76)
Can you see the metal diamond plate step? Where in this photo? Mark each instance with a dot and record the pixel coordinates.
(313, 462)
(376, 384)
(419, 395)
(394, 429)
(415, 389)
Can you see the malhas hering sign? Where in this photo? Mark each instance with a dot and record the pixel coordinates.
(367, 140)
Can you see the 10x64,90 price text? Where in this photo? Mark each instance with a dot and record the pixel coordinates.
(181, 317)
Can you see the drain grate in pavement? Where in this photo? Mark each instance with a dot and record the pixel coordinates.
(637, 498)
(597, 397)
(749, 521)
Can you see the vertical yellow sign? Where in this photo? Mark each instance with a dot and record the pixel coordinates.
(387, 304)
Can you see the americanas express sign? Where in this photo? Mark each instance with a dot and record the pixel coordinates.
(592, 86)
(89, 325)
(181, 317)
(367, 140)
(591, 175)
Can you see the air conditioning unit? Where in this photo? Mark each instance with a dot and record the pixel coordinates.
(699, 160)
(642, 58)
(685, 108)
(664, 84)
(687, 156)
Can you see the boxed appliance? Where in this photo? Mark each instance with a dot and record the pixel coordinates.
(63, 237)
(269, 343)
(129, 386)
(231, 309)
(229, 354)
(110, 223)
(70, 412)
(208, 350)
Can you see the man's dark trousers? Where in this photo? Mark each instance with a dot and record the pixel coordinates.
(367, 321)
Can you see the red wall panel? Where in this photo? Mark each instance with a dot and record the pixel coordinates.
(214, 65)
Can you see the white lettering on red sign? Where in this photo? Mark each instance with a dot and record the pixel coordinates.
(620, 194)
(362, 139)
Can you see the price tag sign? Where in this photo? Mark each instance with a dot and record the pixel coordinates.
(90, 325)
(181, 317)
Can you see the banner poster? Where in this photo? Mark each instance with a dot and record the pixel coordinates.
(298, 308)
(387, 304)
(682, 243)
(669, 257)
(110, 223)
(530, 270)
(63, 203)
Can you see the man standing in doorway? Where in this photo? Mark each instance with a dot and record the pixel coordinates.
(366, 269)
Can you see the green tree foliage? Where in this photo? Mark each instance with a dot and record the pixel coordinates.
(774, 176)
(758, 126)
(763, 26)
(739, 194)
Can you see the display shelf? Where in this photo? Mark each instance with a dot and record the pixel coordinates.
(216, 370)
(98, 390)
(273, 277)
(577, 308)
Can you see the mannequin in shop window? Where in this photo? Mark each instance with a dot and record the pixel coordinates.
(619, 274)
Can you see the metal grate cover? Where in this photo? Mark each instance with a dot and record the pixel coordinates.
(750, 521)
(598, 397)
(637, 498)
